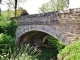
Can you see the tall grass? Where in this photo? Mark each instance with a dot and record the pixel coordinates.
(23, 53)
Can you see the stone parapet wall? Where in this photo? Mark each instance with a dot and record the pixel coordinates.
(65, 16)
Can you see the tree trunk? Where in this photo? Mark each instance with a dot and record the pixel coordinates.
(15, 7)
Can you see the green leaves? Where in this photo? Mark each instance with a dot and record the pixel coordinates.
(3, 21)
(70, 52)
(54, 5)
(7, 27)
(5, 42)
(5, 39)
(11, 29)
(50, 48)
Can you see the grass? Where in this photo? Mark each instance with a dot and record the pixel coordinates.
(23, 53)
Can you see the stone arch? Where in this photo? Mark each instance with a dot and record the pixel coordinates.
(51, 30)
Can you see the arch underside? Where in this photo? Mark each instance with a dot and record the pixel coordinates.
(34, 38)
(35, 34)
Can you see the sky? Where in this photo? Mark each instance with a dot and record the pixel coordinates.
(32, 6)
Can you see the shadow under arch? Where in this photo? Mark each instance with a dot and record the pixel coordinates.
(29, 34)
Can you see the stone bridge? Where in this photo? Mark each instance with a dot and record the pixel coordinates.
(63, 25)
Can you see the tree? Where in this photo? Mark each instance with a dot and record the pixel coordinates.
(15, 7)
(19, 11)
(14, 4)
(9, 14)
(54, 5)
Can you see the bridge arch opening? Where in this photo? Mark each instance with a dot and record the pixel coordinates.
(34, 38)
(37, 36)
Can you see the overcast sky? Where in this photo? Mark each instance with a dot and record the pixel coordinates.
(32, 6)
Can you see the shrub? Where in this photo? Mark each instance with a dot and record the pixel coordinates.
(50, 48)
(11, 29)
(5, 41)
(2, 29)
(70, 52)
(53, 42)
(7, 26)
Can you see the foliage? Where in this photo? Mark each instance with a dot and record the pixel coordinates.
(23, 53)
(19, 11)
(8, 14)
(7, 27)
(3, 21)
(5, 41)
(70, 52)
(11, 29)
(1, 29)
(46, 54)
(50, 48)
(54, 43)
(51, 41)
(14, 4)
(54, 5)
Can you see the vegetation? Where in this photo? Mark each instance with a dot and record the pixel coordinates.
(70, 52)
(7, 27)
(5, 42)
(23, 53)
(8, 50)
(13, 5)
(54, 5)
(51, 47)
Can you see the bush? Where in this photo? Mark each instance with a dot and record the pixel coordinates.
(50, 48)
(9, 29)
(46, 54)
(2, 29)
(70, 52)
(5, 41)
(7, 26)
(53, 42)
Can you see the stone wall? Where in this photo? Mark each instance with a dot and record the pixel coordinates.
(50, 18)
